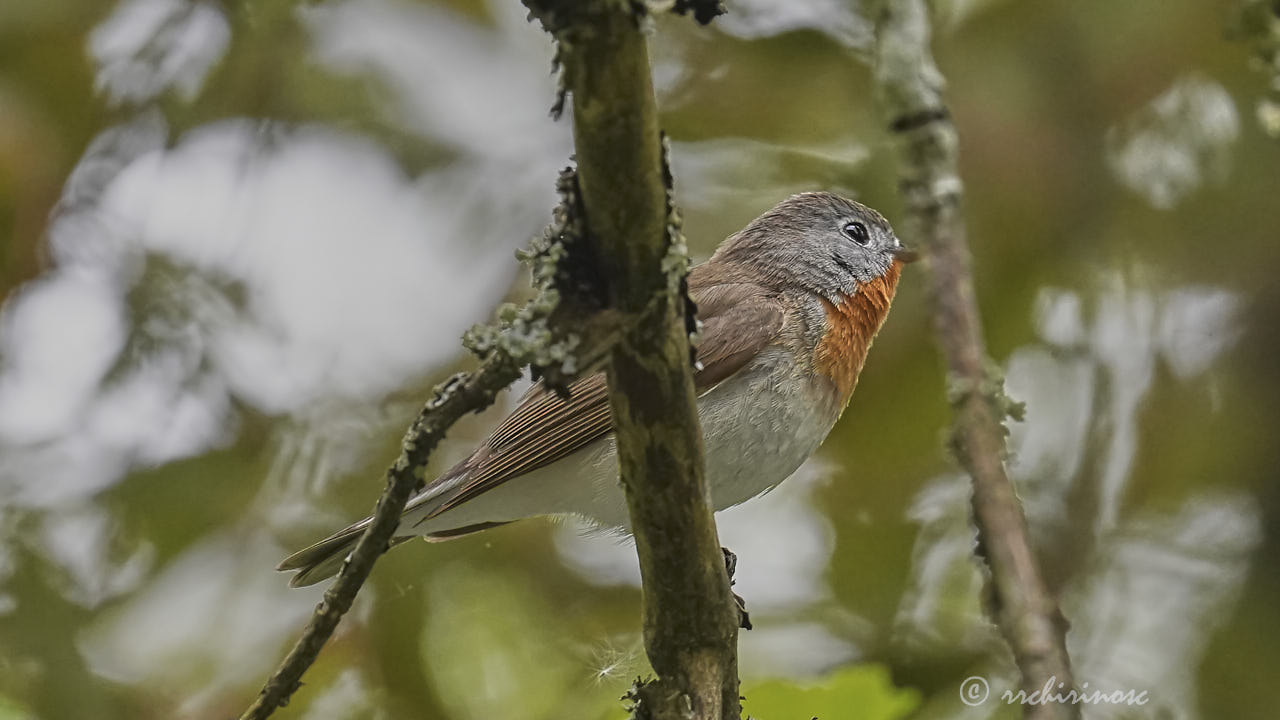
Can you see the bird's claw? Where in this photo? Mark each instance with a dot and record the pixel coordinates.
(730, 565)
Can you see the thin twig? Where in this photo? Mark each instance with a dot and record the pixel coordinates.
(909, 85)
(459, 396)
(556, 333)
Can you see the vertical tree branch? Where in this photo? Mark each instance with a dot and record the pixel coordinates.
(909, 86)
(690, 622)
(623, 185)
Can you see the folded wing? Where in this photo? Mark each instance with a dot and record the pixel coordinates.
(738, 321)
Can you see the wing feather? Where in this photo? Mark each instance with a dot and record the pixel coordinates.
(738, 321)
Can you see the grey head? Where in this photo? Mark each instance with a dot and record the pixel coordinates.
(819, 241)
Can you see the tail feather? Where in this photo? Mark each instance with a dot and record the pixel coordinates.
(323, 559)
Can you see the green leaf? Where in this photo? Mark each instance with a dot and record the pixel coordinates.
(862, 691)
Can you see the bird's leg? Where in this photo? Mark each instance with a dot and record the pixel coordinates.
(730, 565)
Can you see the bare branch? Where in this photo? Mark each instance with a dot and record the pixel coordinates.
(909, 85)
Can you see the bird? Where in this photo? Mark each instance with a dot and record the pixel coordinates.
(788, 308)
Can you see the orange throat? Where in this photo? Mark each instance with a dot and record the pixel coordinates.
(851, 326)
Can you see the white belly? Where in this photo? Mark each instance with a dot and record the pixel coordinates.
(758, 427)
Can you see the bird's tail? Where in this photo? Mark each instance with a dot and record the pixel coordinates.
(323, 559)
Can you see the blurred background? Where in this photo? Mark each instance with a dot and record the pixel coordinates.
(239, 241)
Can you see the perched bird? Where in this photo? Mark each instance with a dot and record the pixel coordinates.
(789, 306)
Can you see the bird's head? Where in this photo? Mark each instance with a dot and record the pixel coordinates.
(821, 242)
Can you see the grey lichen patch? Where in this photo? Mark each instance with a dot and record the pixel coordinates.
(442, 392)
(562, 267)
(562, 82)
(675, 264)
(651, 700)
(555, 18)
(566, 21)
(992, 390)
(565, 258)
(633, 700)
(524, 335)
(560, 263)
(416, 445)
(409, 444)
(991, 387)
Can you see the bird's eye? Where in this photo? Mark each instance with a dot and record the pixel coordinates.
(857, 232)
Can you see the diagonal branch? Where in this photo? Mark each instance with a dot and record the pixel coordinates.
(909, 86)
(555, 333)
(461, 395)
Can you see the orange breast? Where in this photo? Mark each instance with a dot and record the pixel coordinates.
(851, 326)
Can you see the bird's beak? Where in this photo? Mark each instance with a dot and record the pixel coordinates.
(902, 254)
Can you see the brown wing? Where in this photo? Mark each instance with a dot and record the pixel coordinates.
(738, 320)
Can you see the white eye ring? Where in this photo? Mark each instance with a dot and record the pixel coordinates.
(857, 232)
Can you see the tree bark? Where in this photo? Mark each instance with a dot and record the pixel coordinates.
(909, 86)
(690, 620)
(623, 188)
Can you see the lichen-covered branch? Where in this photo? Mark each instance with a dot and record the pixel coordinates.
(909, 86)
(461, 395)
(690, 621)
(537, 335)
(612, 295)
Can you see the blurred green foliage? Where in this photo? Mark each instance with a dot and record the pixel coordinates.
(863, 691)
(1150, 477)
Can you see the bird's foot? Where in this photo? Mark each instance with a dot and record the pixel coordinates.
(730, 565)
